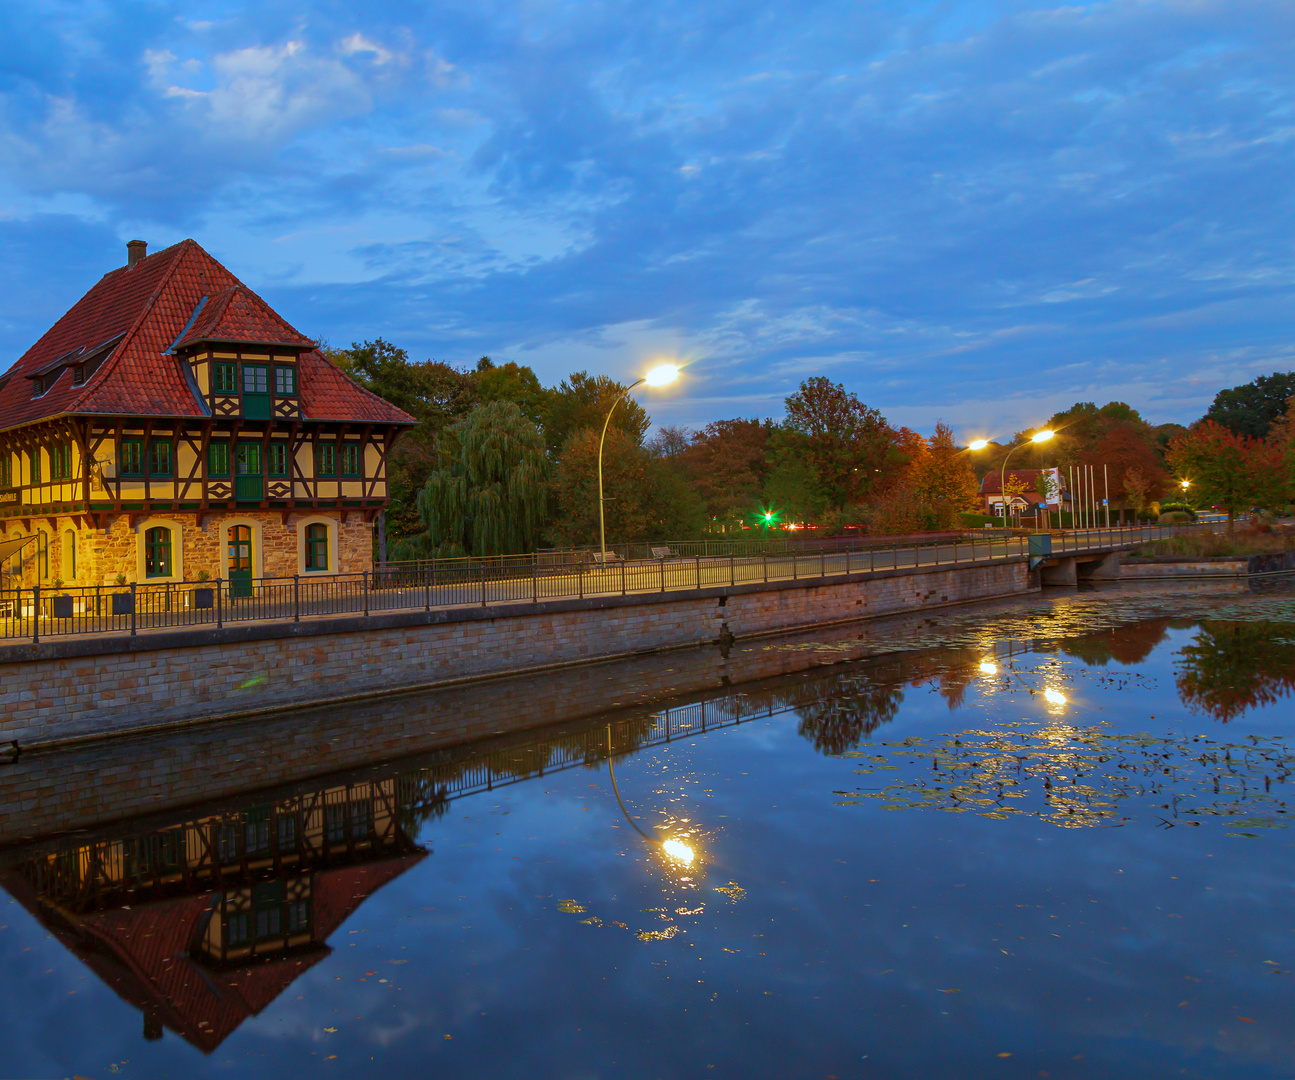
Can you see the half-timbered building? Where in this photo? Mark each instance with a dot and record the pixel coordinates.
(173, 426)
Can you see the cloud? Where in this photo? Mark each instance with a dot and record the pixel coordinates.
(958, 204)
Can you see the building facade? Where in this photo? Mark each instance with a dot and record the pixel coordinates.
(1044, 489)
(172, 426)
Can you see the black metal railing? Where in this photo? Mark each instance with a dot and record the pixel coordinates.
(41, 612)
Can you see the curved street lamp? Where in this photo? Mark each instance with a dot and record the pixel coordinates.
(662, 375)
(1037, 437)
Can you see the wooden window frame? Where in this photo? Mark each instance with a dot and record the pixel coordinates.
(351, 451)
(221, 385)
(122, 464)
(290, 371)
(150, 548)
(272, 467)
(248, 369)
(157, 444)
(215, 448)
(326, 452)
(314, 545)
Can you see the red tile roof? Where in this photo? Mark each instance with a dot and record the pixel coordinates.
(239, 315)
(149, 306)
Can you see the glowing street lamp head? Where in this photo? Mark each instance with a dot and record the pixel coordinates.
(662, 375)
(1042, 436)
(979, 444)
(1186, 484)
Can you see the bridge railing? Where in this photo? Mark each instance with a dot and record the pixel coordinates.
(40, 612)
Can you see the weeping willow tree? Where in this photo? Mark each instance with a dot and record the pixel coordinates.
(490, 492)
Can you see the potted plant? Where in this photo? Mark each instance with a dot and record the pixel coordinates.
(204, 596)
(123, 603)
(62, 603)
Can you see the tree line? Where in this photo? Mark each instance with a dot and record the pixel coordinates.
(500, 464)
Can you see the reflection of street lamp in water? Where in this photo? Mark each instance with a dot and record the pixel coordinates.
(676, 851)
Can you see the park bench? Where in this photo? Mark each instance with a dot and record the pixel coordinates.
(611, 557)
(664, 553)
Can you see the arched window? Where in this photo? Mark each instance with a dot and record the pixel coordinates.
(69, 555)
(316, 547)
(157, 552)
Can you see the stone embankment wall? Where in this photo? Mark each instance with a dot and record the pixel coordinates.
(1169, 566)
(72, 688)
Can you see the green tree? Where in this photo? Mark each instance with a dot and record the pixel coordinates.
(489, 494)
(510, 382)
(1252, 408)
(582, 401)
(849, 444)
(434, 393)
(1229, 470)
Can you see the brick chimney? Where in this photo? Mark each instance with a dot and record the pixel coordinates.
(135, 250)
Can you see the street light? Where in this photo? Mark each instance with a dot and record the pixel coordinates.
(1037, 437)
(661, 375)
(979, 444)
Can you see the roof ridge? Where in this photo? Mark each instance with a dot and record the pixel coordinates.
(114, 358)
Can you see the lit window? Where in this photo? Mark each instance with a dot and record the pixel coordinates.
(157, 552)
(316, 547)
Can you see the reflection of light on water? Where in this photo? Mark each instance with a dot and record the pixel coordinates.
(679, 851)
(988, 667)
(1054, 697)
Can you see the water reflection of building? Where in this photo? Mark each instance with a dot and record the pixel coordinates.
(203, 923)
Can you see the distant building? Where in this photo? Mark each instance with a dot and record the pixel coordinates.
(172, 424)
(1027, 501)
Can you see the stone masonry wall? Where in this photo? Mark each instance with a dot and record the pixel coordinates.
(101, 555)
(72, 689)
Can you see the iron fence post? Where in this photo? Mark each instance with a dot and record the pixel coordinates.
(699, 571)
(35, 614)
(134, 603)
(483, 584)
(822, 564)
(535, 581)
(794, 567)
(765, 558)
(365, 586)
(296, 598)
(219, 611)
(662, 562)
(732, 572)
(580, 577)
(622, 579)
(427, 591)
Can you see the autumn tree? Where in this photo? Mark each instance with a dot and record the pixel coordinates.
(627, 499)
(942, 474)
(849, 445)
(1229, 470)
(510, 382)
(1013, 486)
(727, 463)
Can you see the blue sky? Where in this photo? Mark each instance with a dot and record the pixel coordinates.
(981, 212)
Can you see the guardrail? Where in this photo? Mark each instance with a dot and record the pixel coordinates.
(36, 613)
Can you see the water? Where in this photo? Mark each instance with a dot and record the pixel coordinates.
(1050, 840)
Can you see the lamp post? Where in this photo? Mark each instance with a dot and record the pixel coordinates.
(1037, 437)
(662, 375)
